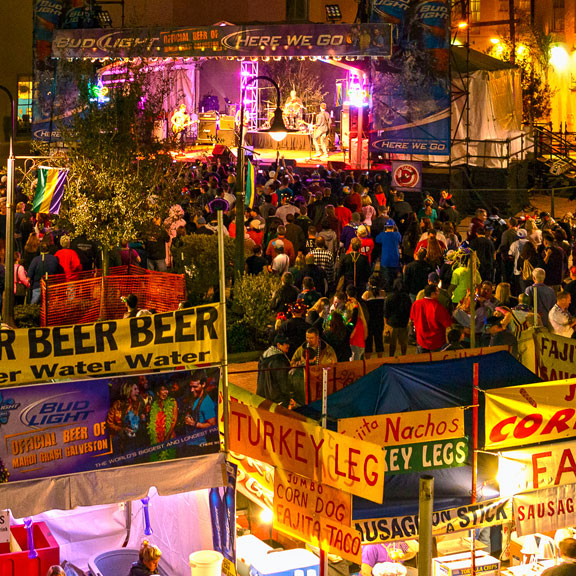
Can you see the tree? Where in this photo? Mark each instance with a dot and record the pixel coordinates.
(120, 177)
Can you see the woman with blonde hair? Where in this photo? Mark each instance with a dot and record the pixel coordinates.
(368, 210)
(148, 559)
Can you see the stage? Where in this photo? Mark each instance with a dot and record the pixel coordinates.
(266, 156)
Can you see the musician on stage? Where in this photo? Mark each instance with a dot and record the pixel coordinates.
(293, 109)
(320, 133)
(180, 122)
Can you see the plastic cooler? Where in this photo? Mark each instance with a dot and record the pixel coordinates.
(115, 563)
(285, 563)
(18, 563)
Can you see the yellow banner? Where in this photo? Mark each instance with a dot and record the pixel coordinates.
(532, 413)
(406, 427)
(324, 456)
(329, 535)
(161, 341)
(537, 467)
(310, 498)
(555, 357)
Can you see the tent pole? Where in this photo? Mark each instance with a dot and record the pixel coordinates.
(323, 553)
(224, 366)
(425, 512)
(474, 452)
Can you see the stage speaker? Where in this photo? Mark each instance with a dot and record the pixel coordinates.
(354, 122)
(206, 130)
(354, 154)
(227, 137)
(345, 128)
(226, 122)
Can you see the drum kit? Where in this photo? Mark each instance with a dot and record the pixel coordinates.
(294, 116)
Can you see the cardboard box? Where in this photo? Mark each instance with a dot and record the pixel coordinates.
(461, 565)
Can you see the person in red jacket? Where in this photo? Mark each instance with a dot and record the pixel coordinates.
(430, 321)
(68, 259)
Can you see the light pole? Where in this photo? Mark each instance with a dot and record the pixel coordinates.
(8, 299)
(278, 132)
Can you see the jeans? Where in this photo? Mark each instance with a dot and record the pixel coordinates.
(320, 141)
(159, 265)
(357, 353)
(36, 295)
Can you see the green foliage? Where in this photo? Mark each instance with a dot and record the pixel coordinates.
(196, 256)
(532, 56)
(251, 312)
(27, 316)
(296, 75)
(120, 176)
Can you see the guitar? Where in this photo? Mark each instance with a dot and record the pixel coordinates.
(181, 122)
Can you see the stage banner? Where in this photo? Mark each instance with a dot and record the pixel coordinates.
(481, 514)
(529, 414)
(160, 341)
(537, 467)
(407, 175)
(411, 90)
(555, 356)
(205, 41)
(57, 429)
(315, 513)
(348, 464)
(406, 427)
(48, 16)
(543, 511)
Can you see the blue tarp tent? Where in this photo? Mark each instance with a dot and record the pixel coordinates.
(395, 388)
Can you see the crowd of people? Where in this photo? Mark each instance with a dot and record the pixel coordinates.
(358, 263)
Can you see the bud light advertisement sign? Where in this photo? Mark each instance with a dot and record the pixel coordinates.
(411, 90)
(56, 429)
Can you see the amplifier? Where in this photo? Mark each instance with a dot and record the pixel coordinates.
(227, 137)
(226, 122)
(206, 130)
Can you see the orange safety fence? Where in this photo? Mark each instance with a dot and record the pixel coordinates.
(96, 297)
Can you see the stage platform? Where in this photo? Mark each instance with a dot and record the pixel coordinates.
(266, 156)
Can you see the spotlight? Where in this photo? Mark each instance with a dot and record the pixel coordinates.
(333, 12)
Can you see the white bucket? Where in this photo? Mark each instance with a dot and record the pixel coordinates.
(206, 563)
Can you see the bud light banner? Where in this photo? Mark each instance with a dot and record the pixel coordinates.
(56, 429)
(407, 175)
(411, 90)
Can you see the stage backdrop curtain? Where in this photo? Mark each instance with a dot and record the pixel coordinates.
(182, 90)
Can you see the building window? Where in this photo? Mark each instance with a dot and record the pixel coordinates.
(523, 5)
(24, 110)
(474, 10)
(297, 10)
(503, 6)
(558, 16)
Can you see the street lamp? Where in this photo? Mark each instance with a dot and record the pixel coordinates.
(278, 132)
(8, 300)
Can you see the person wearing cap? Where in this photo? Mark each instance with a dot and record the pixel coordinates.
(546, 221)
(280, 262)
(273, 372)
(443, 296)
(287, 246)
(561, 322)
(256, 232)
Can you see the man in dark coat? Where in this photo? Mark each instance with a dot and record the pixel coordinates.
(273, 368)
